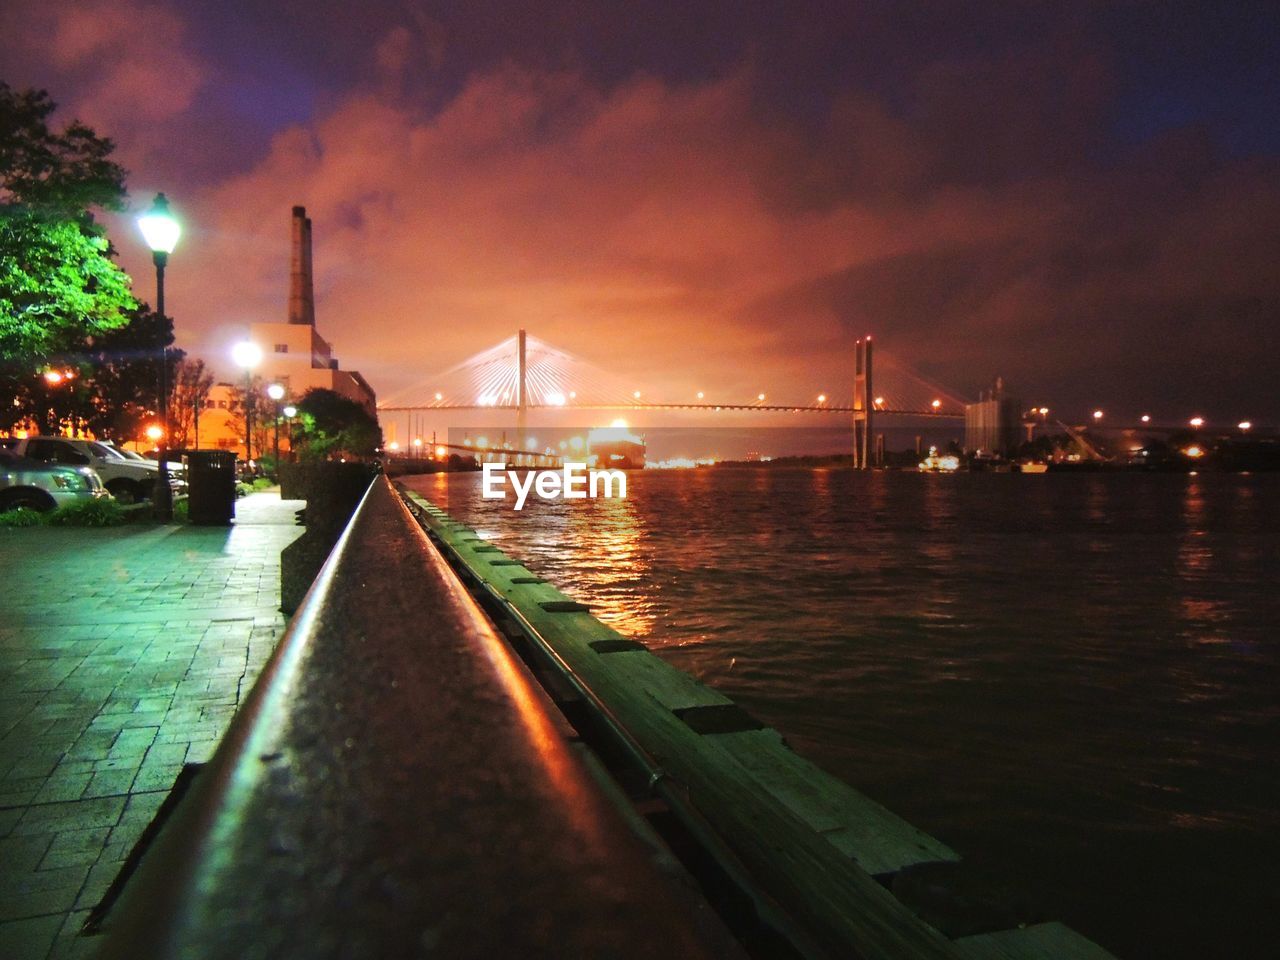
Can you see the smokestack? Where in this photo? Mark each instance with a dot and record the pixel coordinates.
(302, 304)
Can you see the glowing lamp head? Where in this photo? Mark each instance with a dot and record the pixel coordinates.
(417, 441)
(393, 446)
(635, 395)
(1196, 421)
(822, 398)
(1043, 411)
(759, 396)
(291, 411)
(52, 377)
(441, 453)
(1194, 452)
(937, 404)
(158, 226)
(246, 354)
(1146, 418)
(879, 402)
(275, 391)
(1244, 424)
(439, 396)
(1097, 414)
(701, 394)
(154, 433)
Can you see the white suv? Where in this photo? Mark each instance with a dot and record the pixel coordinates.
(127, 480)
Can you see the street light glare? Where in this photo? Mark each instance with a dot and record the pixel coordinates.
(290, 411)
(1097, 414)
(275, 391)
(1146, 418)
(1196, 421)
(1244, 425)
(158, 226)
(246, 354)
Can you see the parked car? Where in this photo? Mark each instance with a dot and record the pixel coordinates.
(43, 486)
(127, 480)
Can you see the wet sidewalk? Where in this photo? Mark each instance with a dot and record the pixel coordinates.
(124, 653)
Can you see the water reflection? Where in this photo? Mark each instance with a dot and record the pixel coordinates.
(1087, 660)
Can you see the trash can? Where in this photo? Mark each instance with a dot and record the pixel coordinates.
(211, 487)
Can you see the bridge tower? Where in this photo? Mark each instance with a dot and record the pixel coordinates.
(862, 404)
(522, 396)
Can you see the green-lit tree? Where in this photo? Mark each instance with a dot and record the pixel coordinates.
(58, 283)
(331, 425)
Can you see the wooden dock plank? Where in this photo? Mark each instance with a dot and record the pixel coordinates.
(1044, 941)
(879, 840)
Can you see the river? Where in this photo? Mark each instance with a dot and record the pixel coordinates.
(1072, 679)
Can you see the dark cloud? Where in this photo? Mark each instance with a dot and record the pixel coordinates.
(1041, 191)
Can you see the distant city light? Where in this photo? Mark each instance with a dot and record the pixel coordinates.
(1193, 452)
(575, 442)
(1196, 421)
(936, 405)
(1097, 414)
(759, 396)
(1244, 425)
(531, 443)
(482, 441)
(700, 394)
(441, 453)
(822, 398)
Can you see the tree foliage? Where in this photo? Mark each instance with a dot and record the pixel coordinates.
(58, 283)
(331, 425)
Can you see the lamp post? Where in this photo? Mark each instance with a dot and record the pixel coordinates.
(161, 231)
(247, 354)
(276, 393)
(289, 413)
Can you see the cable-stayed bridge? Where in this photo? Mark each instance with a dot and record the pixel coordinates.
(526, 373)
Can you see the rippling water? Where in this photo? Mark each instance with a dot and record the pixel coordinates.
(1072, 679)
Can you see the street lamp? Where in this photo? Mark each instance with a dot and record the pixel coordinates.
(276, 393)
(247, 354)
(289, 413)
(161, 231)
(1196, 422)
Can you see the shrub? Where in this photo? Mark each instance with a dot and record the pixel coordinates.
(263, 483)
(21, 517)
(99, 512)
(182, 510)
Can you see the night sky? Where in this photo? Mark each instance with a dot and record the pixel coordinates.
(1081, 197)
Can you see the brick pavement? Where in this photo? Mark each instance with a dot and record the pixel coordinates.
(123, 655)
